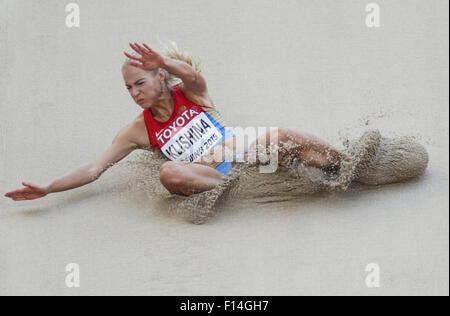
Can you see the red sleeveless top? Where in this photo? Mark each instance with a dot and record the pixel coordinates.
(190, 132)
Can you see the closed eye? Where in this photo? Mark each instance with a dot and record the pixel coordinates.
(138, 83)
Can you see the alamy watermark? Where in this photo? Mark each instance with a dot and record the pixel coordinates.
(73, 16)
(252, 145)
(373, 16)
(373, 277)
(73, 275)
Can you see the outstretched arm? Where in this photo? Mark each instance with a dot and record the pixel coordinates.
(119, 149)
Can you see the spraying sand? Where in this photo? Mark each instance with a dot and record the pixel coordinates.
(370, 160)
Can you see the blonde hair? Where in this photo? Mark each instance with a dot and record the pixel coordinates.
(172, 50)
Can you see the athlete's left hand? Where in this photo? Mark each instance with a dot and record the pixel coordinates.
(149, 59)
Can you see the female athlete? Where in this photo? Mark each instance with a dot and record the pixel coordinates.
(183, 123)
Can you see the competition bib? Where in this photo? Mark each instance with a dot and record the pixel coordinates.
(188, 143)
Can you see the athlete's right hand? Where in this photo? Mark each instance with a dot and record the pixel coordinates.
(30, 192)
(148, 59)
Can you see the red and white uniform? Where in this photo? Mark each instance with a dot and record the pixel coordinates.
(190, 133)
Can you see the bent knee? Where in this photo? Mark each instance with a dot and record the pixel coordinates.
(171, 175)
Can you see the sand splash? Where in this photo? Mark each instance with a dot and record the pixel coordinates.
(370, 160)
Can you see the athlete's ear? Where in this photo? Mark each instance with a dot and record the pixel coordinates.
(162, 74)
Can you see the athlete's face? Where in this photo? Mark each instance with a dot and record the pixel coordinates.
(144, 88)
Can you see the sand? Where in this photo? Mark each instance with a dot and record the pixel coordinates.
(370, 160)
(63, 101)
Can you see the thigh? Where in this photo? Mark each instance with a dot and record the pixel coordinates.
(280, 137)
(277, 137)
(283, 135)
